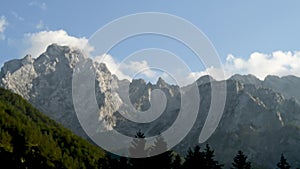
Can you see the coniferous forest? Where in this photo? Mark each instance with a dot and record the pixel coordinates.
(29, 139)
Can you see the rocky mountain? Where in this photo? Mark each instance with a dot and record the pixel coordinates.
(46, 82)
(262, 118)
(286, 85)
(256, 120)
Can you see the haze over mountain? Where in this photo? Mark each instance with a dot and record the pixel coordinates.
(262, 118)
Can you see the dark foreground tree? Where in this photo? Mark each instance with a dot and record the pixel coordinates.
(138, 151)
(210, 162)
(283, 164)
(194, 158)
(198, 159)
(176, 162)
(240, 161)
(160, 157)
(137, 148)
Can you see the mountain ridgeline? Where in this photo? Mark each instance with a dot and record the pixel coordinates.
(262, 118)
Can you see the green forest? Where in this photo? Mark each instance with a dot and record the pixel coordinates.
(29, 139)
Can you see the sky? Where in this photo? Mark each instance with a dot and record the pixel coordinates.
(251, 37)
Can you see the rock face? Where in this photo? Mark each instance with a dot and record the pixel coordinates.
(47, 83)
(262, 118)
(258, 121)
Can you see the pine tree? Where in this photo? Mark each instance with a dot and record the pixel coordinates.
(194, 158)
(138, 150)
(240, 161)
(162, 158)
(283, 164)
(199, 159)
(138, 146)
(123, 163)
(177, 162)
(160, 145)
(210, 162)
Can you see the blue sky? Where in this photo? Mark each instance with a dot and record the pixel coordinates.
(239, 28)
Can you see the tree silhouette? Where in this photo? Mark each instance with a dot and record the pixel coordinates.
(123, 163)
(240, 161)
(194, 158)
(138, 150)
(204, 160)
(160, 145)
(177, 162)
(138, 146)
(210, 162)
(162, 158)
(283, 164)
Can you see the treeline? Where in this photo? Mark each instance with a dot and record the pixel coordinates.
(196, 158)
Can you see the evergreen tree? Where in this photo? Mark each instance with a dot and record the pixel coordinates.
(240, 161)
(162, 158)
(138, 146)
(160, 145)
(199, 159)
(283, 164)
(210, 162)
(114, 162)
(138, 150)
(123, 163)
(194, 158)
(177, 162)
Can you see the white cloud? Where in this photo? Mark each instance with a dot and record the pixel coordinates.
(259, 64)
(3, 24)
(37, 43)
(278, 63)
(126, 70)
(41, 5)
(112, 65)
(138, 67)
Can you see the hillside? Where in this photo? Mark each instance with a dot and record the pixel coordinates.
(29, 139)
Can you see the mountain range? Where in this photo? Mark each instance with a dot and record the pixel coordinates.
(261, 117)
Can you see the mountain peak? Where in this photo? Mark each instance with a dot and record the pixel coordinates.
(55, 49)
(205, 79)
(271, 77)
(161, 82)
(246, 79)
(28, 59)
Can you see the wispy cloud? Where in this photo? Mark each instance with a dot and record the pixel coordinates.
(17, 16)
(40, 25)
(3, 24)
(41, 5)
